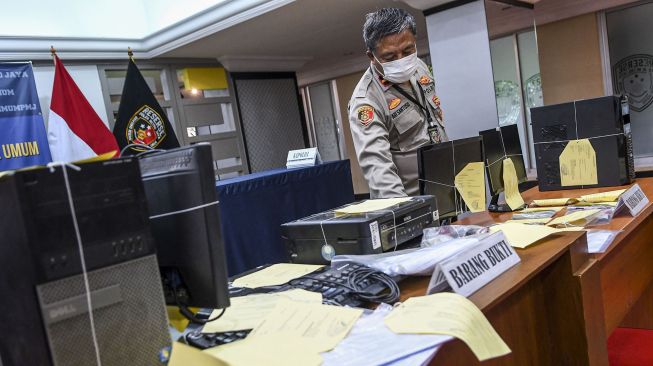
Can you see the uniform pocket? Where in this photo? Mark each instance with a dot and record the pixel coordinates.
(411, 129)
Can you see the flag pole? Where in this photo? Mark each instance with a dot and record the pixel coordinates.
(53, 52)
(130, 54)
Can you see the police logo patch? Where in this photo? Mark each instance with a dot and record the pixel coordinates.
(424, 80)
(436, 100)
(146, 127)
(365, 114)
(394, 103)
(633, 76)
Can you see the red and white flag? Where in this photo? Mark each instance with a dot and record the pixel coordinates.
(75, 131)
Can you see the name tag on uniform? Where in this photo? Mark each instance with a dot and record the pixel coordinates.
(472, 269)
(634, 199)
(303, 158)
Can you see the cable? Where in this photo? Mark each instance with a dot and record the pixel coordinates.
(185, 311)
(356, 288)
(140, 146)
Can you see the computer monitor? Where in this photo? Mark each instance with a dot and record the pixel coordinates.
(185, 220)
(438, 165)
(500, 143)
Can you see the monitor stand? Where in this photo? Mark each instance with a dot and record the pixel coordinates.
(496, 207)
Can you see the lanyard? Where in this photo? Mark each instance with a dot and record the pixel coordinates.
(410, 97)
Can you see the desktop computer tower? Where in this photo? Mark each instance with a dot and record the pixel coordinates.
(185, 219)
(44, 311)
(602, 121)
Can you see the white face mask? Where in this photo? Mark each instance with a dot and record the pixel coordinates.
(399, 71)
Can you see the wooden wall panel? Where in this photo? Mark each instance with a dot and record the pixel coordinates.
(570, 59)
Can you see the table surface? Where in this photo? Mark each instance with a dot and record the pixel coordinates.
(612, 267)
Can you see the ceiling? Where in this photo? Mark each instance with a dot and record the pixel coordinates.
(311, 31)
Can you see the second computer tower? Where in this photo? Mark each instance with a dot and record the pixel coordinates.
(601, 121)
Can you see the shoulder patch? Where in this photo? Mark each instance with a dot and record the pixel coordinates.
(436, 100)
(394, 103)
(424, 80)
(365, 114)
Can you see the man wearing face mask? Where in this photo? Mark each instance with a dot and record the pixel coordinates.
(394, 109)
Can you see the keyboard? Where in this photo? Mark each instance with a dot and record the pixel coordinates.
(208, 340)
(333, 282)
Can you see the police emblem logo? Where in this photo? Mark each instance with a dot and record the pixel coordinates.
(365, 114)
(424, 80)
(146, 127)
(394, 103)
(633, 76)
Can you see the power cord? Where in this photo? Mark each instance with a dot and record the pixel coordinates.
(356, 288)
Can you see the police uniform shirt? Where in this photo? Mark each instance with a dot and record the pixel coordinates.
(387, 129)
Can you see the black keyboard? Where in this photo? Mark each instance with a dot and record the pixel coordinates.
(331, 281)
(208, 340)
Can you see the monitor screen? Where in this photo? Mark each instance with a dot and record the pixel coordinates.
(184, 215)
(438, 165)
(498, 144)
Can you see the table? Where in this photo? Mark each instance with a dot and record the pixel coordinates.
(252, 208)
(558, 305)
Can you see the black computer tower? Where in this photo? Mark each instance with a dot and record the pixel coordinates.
(185, 219)
(602, 122)
(44, 312)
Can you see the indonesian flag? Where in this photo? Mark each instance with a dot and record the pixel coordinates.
(75, 131)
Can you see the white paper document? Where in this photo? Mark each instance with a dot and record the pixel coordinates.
(370, 342)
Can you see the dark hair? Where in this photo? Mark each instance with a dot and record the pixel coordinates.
(385, 22)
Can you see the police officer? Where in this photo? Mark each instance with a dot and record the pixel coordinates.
(394, 109)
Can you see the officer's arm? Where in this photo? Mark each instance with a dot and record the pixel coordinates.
(372, 144)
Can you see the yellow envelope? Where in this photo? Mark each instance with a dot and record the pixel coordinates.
(511, 185)
(603, 197)
(470, 182)
(276, 274)
(322, 325)
(370, 206)
(520, 235)
(578, 164)
(247, 312)
(183, 355)
(450, 314)
(554, 202)
(577, 218)
(268, 350)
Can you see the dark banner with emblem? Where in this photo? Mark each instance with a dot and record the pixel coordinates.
(22, 131)
(141, 120)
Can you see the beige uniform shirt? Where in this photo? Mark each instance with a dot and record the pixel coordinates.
(388, 128)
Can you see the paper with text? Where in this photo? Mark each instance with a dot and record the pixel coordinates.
(184, 355)
(610, 196)
(522, 235)
(511, 185)
(276, 274)
(247, 312)
(370, 206)
(267, 350)
(578, 164)
(470, 183)
(554, 202)
(324, 325)
(449, 314)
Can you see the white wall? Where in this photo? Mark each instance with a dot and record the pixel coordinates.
(87, 79)
(462, 69)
